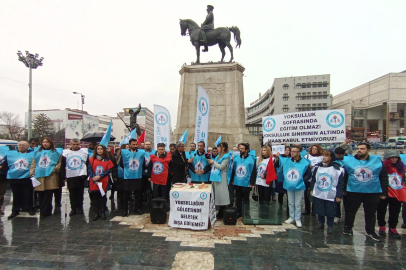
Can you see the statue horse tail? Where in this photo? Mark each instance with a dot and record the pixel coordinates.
(236, 32)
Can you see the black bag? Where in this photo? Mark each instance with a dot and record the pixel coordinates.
(158, 211)
(230, 216)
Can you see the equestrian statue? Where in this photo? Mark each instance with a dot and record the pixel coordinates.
(206, 35)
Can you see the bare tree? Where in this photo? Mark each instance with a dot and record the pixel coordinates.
(11, 125)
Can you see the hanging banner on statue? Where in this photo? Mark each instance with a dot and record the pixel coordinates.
(162, 126)
(326, 126)
(202, 116)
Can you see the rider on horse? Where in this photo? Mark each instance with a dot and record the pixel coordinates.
(207, 25)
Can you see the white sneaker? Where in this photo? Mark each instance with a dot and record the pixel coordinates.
(289, 221)
(337, 220)
(298, 223)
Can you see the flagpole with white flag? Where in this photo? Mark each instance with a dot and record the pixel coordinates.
(162, 126)
(202, 117)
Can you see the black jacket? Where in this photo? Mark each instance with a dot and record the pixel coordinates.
(179, 167)
(383, 178)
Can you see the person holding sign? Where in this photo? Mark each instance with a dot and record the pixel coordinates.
(99, 169)
(279, 184)
(133, 163)
(218, 178)
(45, 168)
(18, 175)
(396, 193)
(327, 189)
(199, 168)
(366, 182)
(243, 175)
(159, 167)
(315, 156)
(74, 160)
(296, 171)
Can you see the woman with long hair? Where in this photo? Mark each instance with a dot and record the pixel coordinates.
(264, 190)
(218, 178)
(45, 168)
(315, 156)
(99, 169)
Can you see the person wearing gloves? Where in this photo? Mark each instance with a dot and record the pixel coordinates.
(396, 193)
(218, 178)
(366, 182)
(326, 189)
(296, 171)
(315, 156)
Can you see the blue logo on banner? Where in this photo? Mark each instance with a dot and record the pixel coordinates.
(44, 161)
(241, 170)
(335, 119)
(158, 168)
(203, 106)
(203, 196)
(74, 163)
(161, 118)
(363, 174)
(175, 194)
(21, 164)
(292, 175)
(268, 124)
(324, 182)
(99, 170)
(395, 181)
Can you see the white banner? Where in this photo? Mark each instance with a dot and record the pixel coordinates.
(162, 126)
(278, 149)
(202, 116)
(305, 127)
(189, 209)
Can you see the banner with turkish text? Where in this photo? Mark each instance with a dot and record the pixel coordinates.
(202, 116)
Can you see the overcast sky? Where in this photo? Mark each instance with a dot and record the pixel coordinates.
(120, 53)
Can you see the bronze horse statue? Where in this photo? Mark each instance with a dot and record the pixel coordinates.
(220, 36)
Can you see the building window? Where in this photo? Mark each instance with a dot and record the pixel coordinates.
(286, 86)
(320, 84)
(358, 123)
(285, 97)
(324, 92)
(358, 113)
(324, 84)
(298, 86)
(324, 104)
(285, 108)
(314, 85)
(299, 96)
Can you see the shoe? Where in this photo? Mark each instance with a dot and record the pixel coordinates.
(305, 213)
(79, 210)
(329, 229)
(138, 212)
(320, 226)
(403, 225)
(394, 233)
(12, 215)
(58, 205)
(298, 224)
(337, 220)
(374, 237)
(73, 212)
(289, 221)
(382, 230)
(347, 232)
(31, 212)
(125, 213)
(103, 215)
(96, 216)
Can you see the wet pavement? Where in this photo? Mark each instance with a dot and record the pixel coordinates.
(60, 242)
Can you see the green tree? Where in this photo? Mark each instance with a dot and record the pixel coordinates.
(43, 126)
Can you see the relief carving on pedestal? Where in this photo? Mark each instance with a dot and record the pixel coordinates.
(212, 87)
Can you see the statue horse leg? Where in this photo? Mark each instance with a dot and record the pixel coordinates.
(223, 52)
(197, 46)
(231, 50)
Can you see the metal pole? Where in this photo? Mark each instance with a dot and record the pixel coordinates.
(83, 118)
(30, 106)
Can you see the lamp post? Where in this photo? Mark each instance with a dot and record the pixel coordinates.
(31, 61)
(83, 117)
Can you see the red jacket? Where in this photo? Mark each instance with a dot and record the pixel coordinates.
(159, 166)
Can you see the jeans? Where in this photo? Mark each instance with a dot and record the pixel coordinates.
(394, 211)
(370, 203)
(295, 203)
(322, 220)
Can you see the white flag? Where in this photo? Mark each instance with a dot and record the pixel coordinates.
(202, 117)
(162, 126)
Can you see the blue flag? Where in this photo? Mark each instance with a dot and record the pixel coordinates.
(217, 142)
(183, 138)
(132, 135)
(3, 152)
(106, 138)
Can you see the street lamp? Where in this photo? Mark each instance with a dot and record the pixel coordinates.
(31, 61)
(83, 117)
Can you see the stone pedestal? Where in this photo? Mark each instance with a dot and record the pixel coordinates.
(224, 85)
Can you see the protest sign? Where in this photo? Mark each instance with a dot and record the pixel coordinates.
(278, 149)
(305, 127)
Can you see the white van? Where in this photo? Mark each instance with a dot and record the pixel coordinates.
(393, 142)
(8, 142)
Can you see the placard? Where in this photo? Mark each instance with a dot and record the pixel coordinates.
(189, 209)
(278, 149)
(326, 126)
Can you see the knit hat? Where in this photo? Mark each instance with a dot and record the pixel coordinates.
(390, 153)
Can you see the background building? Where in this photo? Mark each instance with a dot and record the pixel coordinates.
(376, 107)
(287, 95)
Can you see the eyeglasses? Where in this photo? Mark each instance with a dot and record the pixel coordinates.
(293, 151)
